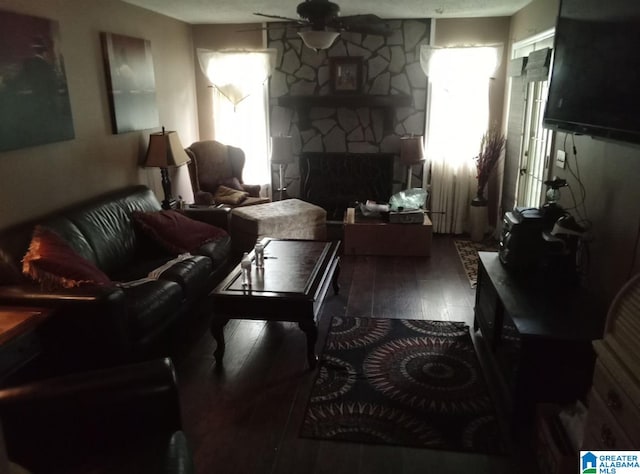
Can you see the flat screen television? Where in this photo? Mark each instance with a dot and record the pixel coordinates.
(595, 79)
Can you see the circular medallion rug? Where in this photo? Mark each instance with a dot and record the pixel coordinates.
(403, 382)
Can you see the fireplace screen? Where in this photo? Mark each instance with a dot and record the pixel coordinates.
(336, 181)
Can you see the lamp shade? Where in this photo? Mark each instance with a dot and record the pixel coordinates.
(281, 150)
(411, 150)
(165, 150)
(318, 39)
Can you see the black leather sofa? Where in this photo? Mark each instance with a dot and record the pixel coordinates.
(94, 326)
(123, 419)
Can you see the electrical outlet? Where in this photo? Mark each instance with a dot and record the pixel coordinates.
(561, 157)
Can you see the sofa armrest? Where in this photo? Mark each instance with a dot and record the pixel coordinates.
(92, 321)
(31, 295)
(99, 415)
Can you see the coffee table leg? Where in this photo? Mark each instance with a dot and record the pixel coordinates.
(217, 330)
(310, 329)
(336, 274)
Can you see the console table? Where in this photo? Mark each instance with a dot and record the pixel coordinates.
(539, 336)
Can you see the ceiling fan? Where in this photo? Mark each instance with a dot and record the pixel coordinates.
(323, 19)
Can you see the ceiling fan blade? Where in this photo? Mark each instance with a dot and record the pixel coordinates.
(367, 24)
(278, 17)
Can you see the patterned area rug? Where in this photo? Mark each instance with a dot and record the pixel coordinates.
(468, 253)
(403, 382)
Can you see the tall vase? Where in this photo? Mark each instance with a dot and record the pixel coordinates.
(478, 217)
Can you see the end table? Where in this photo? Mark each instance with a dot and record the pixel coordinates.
(19, 341)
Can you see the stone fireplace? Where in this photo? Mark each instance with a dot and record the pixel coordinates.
(336, 181)
(362, 128)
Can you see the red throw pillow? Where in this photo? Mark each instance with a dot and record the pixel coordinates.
(54, 264)
(175, 231)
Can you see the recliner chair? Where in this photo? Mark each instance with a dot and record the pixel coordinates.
(214, 164)
(119, 420)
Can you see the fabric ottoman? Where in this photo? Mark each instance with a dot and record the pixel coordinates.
(288, 219)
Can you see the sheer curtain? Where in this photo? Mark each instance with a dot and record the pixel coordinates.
(458, 116)
(240, 104)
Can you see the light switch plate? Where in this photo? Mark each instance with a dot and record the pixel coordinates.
(561, 158)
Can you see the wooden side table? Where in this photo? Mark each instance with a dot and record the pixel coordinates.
(19, 341)
(366, 236)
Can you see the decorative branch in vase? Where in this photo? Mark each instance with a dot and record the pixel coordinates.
(491, 146)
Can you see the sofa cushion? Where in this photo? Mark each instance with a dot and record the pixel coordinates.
(102, 230)
(54, 264)
(175, 231)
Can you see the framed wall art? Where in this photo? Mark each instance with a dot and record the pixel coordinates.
(34, 97)
(131, 83)
(345, 74)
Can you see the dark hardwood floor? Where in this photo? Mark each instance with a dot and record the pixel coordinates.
(246, 418)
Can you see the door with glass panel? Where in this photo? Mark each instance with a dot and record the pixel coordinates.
(536, 141)
(536, 149)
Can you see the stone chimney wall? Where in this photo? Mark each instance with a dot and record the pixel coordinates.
(391, 66)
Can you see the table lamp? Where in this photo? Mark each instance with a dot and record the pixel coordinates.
(165, 150)
(281, 155)
(411, 153)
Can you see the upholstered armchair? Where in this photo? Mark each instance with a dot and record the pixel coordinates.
(216, 175)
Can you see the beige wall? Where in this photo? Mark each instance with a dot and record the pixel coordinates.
(34, 181)
(609, 172)
(538, 16)
(218, 37)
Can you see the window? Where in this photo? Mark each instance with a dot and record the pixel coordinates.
(457, 117)
(240, 104)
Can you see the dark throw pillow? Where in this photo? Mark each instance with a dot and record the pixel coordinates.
(175, 231)
(225, 195)
(54, 264)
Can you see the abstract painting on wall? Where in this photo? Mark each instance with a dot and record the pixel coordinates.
(131, 82)
(33, 87)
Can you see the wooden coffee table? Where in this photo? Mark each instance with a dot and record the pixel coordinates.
(290, 287)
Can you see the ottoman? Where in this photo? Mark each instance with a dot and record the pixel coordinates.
(288, 219)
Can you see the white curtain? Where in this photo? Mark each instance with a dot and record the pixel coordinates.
(458, 116)
(240, 104)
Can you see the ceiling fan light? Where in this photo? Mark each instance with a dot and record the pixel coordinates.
(318, 39)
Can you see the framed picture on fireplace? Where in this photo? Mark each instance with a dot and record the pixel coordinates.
(346, 74)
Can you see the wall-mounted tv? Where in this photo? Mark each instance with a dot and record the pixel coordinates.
(595, 81)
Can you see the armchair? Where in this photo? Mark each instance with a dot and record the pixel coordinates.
(121, 419)
(214, 164)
